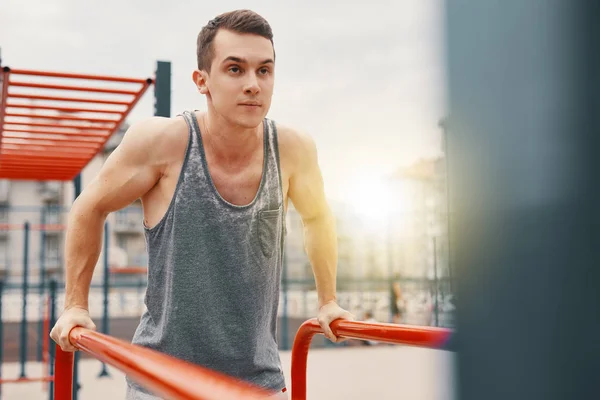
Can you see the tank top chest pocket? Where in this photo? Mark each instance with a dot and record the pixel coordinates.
(269, 230)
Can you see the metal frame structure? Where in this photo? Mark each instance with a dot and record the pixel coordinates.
(47, 133)
(172, 378)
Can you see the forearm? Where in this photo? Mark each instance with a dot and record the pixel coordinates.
(83, 244)
(321, 247)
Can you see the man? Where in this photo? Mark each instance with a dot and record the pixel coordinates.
(215, 188)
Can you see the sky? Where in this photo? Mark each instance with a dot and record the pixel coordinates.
(365, 79)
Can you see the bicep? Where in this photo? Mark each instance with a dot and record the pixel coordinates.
(127, 174)
(306, 190)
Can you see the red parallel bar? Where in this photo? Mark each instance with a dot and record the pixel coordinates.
(70, 99)
(58, 138)
(49, 142)
(390, 333)
(26, 380)
(63, 375)
(128, 270)
(137, 98)
(61, 117)
(68, 87)
(78, 76)
(43, 157)
(41, 164)
(43, 149)
(61, 126)
(164, 375)
(32, 168)
(59, 132)
(11, 104)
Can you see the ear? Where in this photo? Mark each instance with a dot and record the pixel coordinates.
(199, 78)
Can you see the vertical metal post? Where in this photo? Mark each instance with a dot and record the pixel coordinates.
(42, 288)
(162, 89)
(75, 383)
(1, 332)
(52, 346)
(284, 316)
(106, 277)
(524, 95)
(23, 344)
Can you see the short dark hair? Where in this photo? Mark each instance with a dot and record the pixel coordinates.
(240, 21)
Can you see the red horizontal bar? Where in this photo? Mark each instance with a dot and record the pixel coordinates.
(50, 142)
(45, 148)
(128, 270)
(60, 117)
(73, 88)
(389, 333)
(60, 125)
(45, 132)
(162, 374)
(32, 166)
(27, 380)
(69, 99)
(80, 76)
(60, 138)
(43, 157)
(11, 104)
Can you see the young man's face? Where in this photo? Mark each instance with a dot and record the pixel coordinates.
(241, 79)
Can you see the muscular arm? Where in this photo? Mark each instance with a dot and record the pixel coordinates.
(306, 191)
(128, 173)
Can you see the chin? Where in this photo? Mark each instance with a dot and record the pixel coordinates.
(248, 121)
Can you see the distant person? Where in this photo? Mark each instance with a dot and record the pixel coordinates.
(214, 187)
(397, 304)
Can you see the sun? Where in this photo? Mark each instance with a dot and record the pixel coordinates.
(377, 200)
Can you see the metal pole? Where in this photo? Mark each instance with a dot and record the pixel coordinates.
(284, 317)
(42, 289)
(162, 89)
(1, 332)
(52, 346)
(105, 321)
(23, 346)
(76, 385)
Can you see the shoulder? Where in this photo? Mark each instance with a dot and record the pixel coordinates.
(295, 146)
(156, 137)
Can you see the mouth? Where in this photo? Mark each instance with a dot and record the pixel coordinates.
(250, 104)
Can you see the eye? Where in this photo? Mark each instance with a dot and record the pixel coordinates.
(264, 71)
(234, 68)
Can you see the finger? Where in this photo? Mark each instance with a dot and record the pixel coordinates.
(327, 330)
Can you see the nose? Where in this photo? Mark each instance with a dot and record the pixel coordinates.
(251, 87)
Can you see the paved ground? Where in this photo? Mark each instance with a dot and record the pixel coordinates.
(386, 372)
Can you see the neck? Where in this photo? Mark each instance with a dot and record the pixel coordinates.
(229, 141)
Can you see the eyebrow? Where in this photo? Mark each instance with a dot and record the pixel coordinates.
(244, 61)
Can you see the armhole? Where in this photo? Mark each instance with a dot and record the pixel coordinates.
(179, 179)
(277, 160)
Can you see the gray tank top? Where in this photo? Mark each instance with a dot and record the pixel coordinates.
(214, 272)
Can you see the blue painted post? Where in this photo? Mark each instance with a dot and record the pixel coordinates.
(105, 327)
(1, 333)
(284, 316)
(42, 289)
(76, 385)
(23, 344)
(52, 346)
